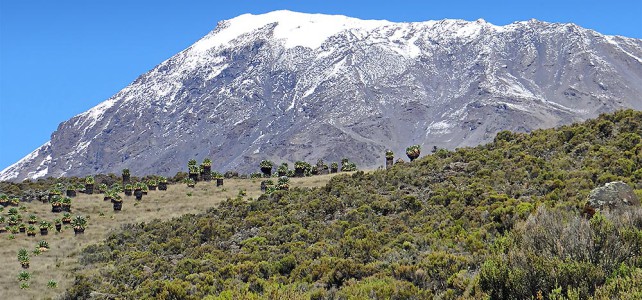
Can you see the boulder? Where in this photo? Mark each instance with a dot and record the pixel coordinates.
(612, 195)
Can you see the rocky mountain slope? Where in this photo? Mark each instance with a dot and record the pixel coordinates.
(289, 86)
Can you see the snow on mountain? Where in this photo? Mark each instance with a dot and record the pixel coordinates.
(291, 86)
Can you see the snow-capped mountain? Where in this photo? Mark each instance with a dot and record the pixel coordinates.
(290, 86)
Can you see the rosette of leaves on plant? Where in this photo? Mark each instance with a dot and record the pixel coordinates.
(70, 190)
(89, 180)
(55, 191)
(300, 165)
(347, 166)
(413, 152)
(31, 230)
(321, 166)
(162, 179)
(126, 172)
(32, 219)
(44, 227)
(13, 211)
(15, 201)
(43, 246)
(66, 204)
(117, 202)
(66, 218)
(4, 200)
(191, 162)
(52, 284)
(116, 187)
(129, 187)
(334, 166)
(79, 223)
(194, 170)
(56, 204)
(282, 170)
(103, 188)
(23, 258)
(108, 195)
(116, 198)
(190, 182)
(207, 162)
(283, 183)
(390, 154)
(24, 276)
(152, 184)
(13, 220)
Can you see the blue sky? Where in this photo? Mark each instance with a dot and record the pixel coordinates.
(60, 58)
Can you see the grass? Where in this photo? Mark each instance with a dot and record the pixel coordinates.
(58, 263)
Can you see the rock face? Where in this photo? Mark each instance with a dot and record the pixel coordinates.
(613, 195)
(287, 86)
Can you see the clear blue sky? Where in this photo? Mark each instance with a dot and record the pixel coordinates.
(60, 58)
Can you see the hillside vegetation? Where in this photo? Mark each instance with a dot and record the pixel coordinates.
(505, 220)
(58, 263)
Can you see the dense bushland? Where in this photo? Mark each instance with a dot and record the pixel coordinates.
(502, 220)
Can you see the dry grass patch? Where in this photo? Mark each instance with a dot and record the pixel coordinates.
(58, 263)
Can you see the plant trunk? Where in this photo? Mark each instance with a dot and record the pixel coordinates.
(389, 162)
(79, 230)
(56, 209)
(89, 189)
(58, 227)
(219, 181)
(44, 231)
(267, 172)
(152, 187)
(66, 208)
(207, 173)
(193, 176)
(71, 193)
(299, 172)
(118, 206)
(263, 187)
(128, 192)
(138, 194)
(126, 179)
(162, 186)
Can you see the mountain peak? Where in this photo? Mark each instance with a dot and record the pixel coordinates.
(294, 28)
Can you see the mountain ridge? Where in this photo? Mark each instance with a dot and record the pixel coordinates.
(240, 95)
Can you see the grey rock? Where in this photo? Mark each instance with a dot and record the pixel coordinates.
(239, 97)
(613, 195)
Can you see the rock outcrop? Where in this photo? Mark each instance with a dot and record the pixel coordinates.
(613, 195)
